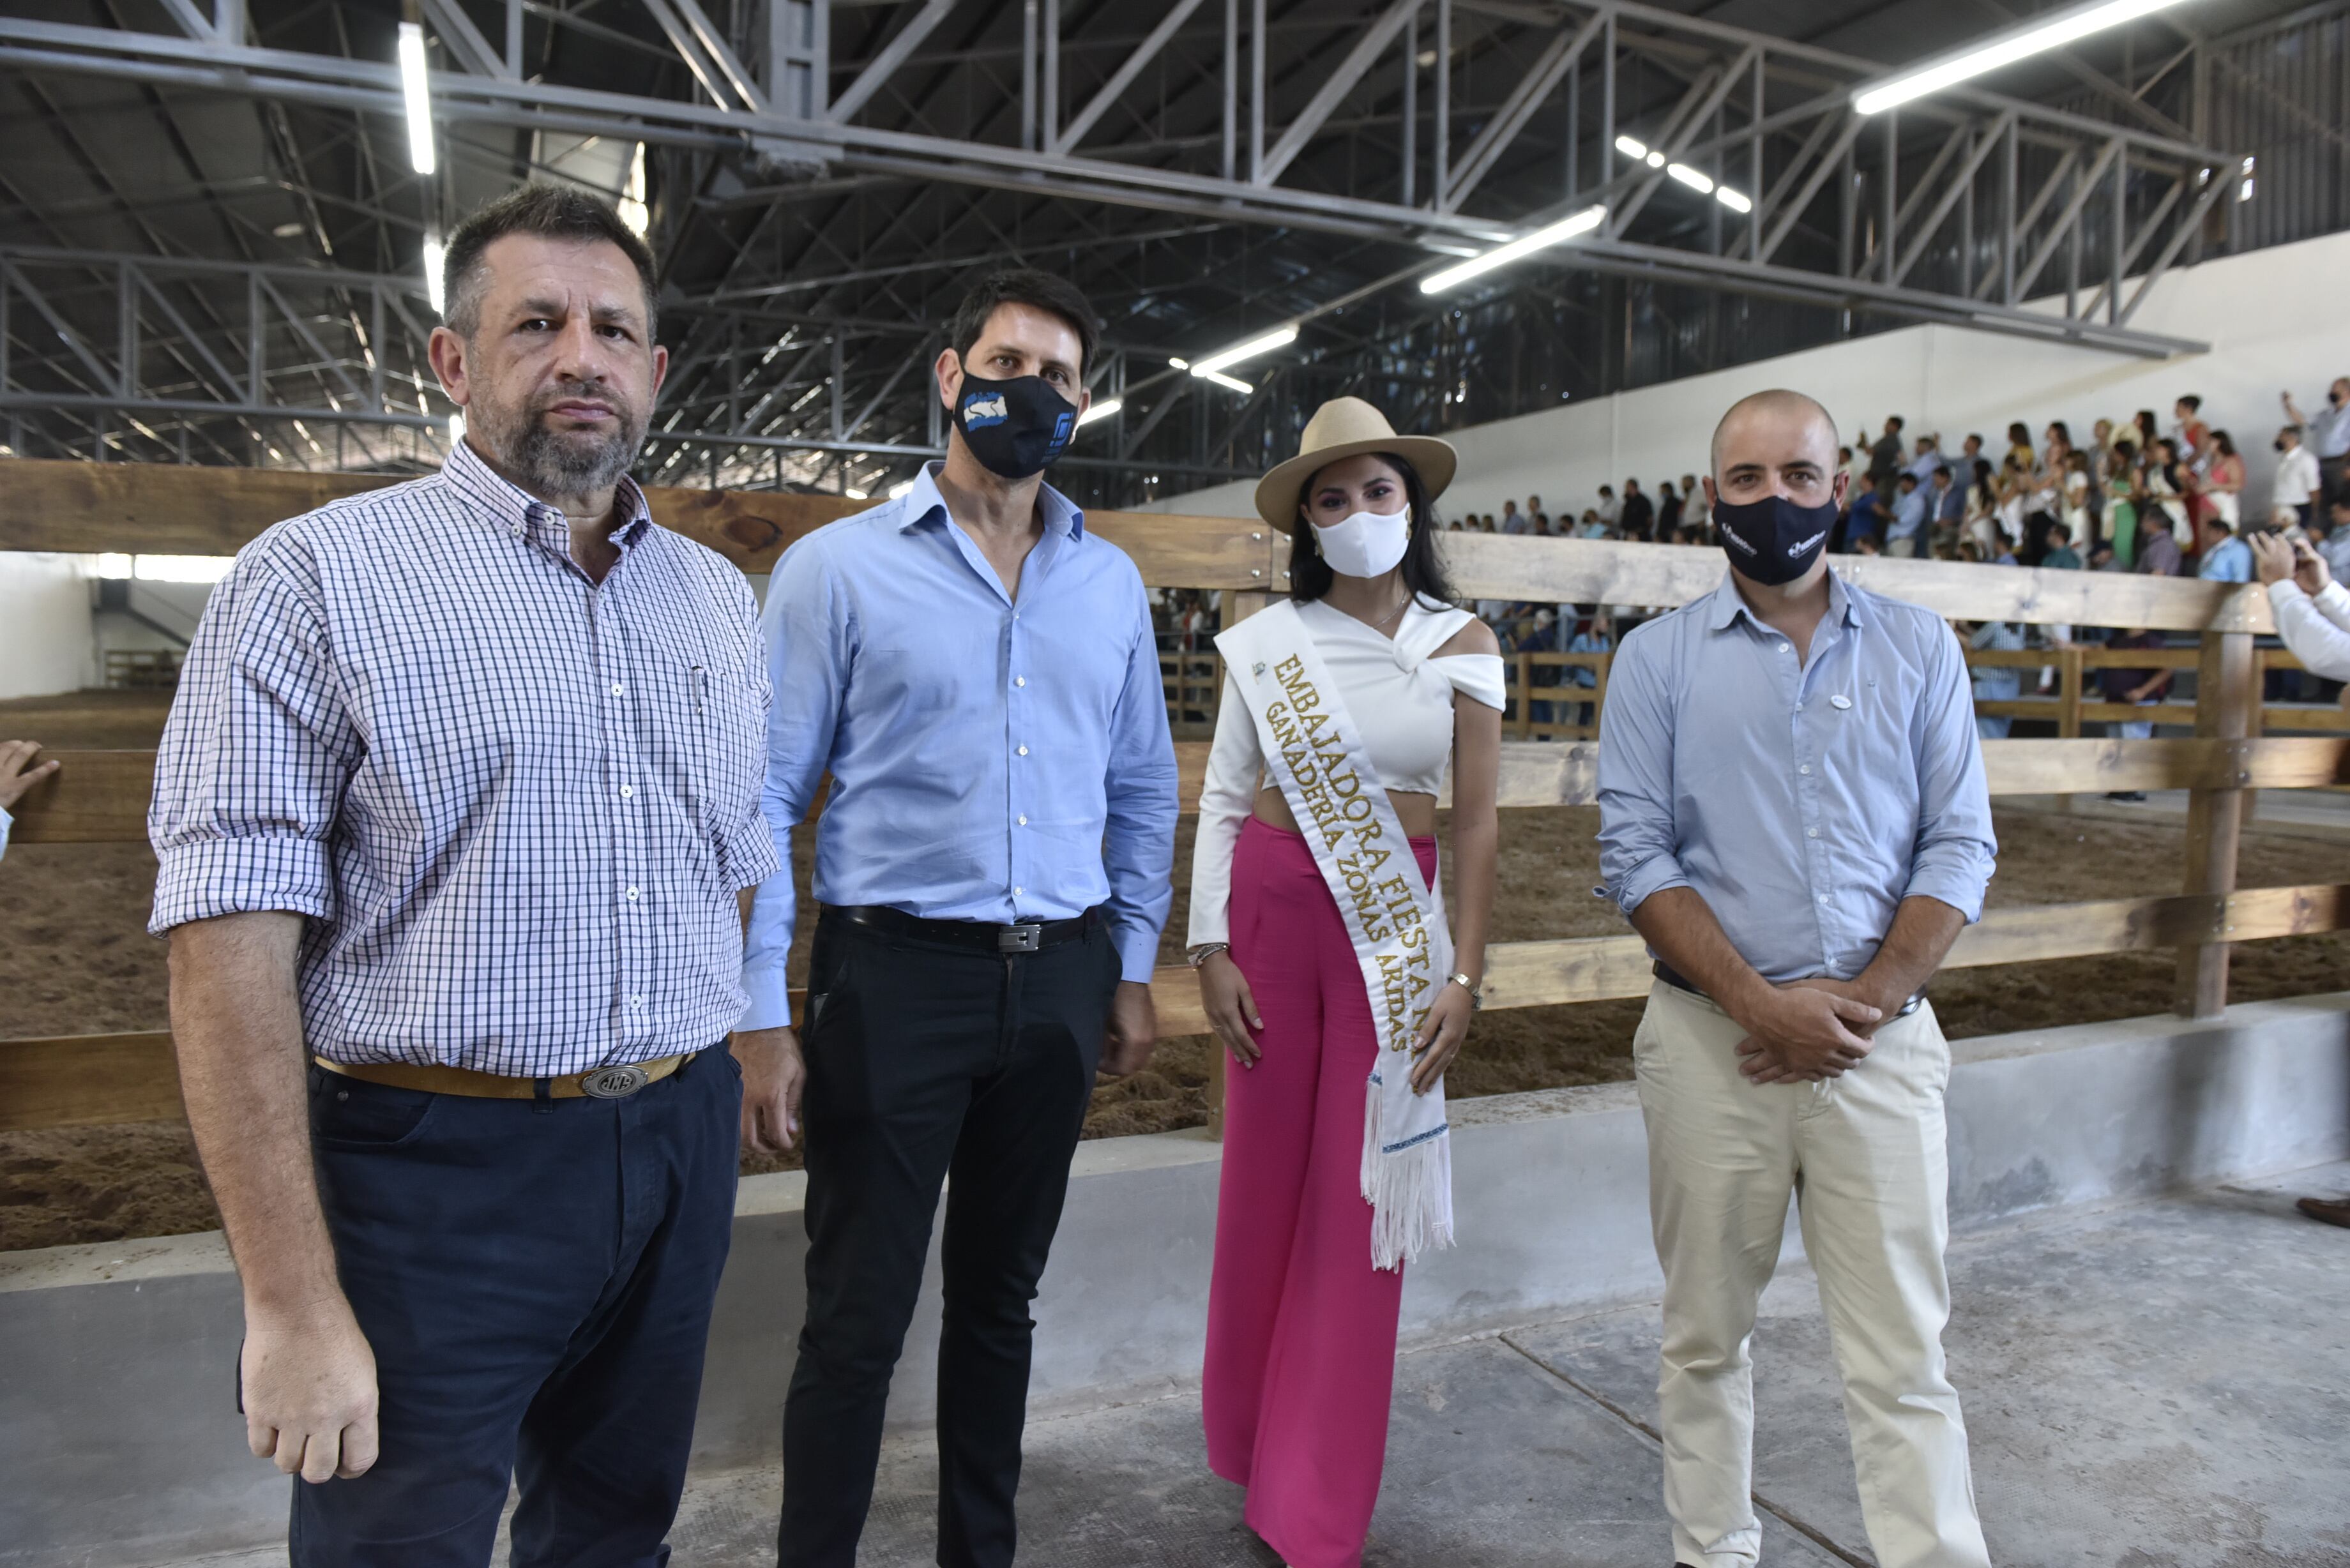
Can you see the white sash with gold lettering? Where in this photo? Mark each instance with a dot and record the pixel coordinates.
(1396, 919)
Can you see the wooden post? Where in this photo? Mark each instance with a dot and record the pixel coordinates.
(2069, 673)
(2226, 686)
(1525, 668)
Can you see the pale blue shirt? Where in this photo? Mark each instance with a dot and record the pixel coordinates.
(991, 759)
(1801, 803)
(2228, 561)
(1910, 515)
(4, 821)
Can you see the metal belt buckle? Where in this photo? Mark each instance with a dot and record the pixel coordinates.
(1019, 938)
(614, 1083)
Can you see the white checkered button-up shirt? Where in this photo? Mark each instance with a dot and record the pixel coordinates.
(514, 804)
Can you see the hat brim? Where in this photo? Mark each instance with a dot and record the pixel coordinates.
(1276, 492)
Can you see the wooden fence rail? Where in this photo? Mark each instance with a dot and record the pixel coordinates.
(101, 796)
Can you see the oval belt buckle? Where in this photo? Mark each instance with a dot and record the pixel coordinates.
(613, 1083)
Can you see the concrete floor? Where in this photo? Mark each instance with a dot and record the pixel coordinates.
(2162, 1385)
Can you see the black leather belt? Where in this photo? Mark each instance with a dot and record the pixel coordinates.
(976, 936)
(1674, 978)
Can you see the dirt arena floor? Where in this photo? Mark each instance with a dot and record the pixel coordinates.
(76, 960)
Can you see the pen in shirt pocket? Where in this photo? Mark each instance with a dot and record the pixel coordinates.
(698, 678)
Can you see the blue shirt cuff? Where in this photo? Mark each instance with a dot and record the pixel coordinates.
(1138, 952)
(1958, 889)
(770, 993)
(1648, 879)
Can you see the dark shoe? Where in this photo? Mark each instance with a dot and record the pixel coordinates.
(2137, 794)
(2332, 1211)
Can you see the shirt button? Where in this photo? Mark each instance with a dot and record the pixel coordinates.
(1024, 822)
(1823, 898)
(1786, 647)
(632, 894)
(1804, 769)
(636, 1002)
(1019, 890)
(1799, 707)
(1020, 680)
(1810, 833)
(1024, 751)
(628, 792)
(616, 689)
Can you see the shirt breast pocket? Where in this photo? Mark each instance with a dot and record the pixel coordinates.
(722, 728)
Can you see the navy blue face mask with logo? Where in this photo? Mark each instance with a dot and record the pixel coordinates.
(1772, 540)
(1015, 428)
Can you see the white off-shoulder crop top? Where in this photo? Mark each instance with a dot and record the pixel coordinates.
(1400, 695)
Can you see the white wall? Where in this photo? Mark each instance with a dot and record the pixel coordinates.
(45, 625)
(2273, 319)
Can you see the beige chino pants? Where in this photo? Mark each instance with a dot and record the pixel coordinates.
(1867, 1159)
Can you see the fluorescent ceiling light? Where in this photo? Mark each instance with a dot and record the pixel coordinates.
(1279, 338)
(1641, 152)
(1179, 364)
(854, 494)
(456, 428)
(2038, 37)
(1230, 383)
(1630, 148)
(1691, 178)
(432, 259)
(1735, 200)
(1100, 411)
(1656, 161)
(1565, 229)
(904, 487)
(415, 97)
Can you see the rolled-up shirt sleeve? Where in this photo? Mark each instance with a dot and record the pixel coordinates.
(256, 754)
(1637, 843)
(747, 849)
(1141, 804)
(808, 631)
(1956, 848)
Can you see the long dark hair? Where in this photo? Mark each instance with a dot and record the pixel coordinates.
(1310, 576)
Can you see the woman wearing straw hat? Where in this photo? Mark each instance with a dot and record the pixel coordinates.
(1327, 969)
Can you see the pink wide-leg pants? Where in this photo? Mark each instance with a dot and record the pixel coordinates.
(1301, 1328)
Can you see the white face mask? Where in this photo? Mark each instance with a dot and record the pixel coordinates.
(1367, 545)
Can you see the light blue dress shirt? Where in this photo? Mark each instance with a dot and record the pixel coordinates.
(1910, 515)
(1801, 803)
(2228, 561)
(5, 820)
(991, 759)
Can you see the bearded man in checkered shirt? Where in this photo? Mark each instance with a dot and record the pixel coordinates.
(454, 814)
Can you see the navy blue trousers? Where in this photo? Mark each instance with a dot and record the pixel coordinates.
(536, 1279)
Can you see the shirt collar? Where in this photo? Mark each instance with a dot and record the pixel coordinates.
(504, 504)
(923, 501)
(1728, 604)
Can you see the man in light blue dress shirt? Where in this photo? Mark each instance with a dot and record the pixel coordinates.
(976, 672)
(1793, 814)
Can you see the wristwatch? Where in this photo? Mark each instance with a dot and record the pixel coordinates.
(1476, 997)
(1205, 951)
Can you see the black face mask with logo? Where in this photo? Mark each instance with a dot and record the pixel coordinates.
(1772, 540)
(1017, 427)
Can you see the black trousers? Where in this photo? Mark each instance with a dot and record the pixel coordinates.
(925, 1061)
(536, 1281)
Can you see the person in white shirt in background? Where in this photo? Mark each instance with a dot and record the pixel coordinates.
(2334, 548)
(2313, 617)
(2298, 487)
(2328, 435)
(18, 774)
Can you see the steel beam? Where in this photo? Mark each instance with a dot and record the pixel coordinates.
(1334, 88)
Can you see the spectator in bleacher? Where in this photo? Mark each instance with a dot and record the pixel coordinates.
(2328, 436)
(2226, 558)
(1597, 634)
(1997, 683)
(1948, 493)
(1884, 455)
(1533, 503)
(1786, 1050)
(1610, 510)
(1871, 520)
(2298, 483)
(1905, 531)
(1513, 520)
(2164, 480)
(2219, 482)
(1868, 544)
(2334, 543)
(18, 774)
(2313, 618)
(1639, 520)
(2122, 488)
(2140, 687)
(1593, 526)
(2149, 431)
(1668, 512)
(1927, 462)
(2061, 555)
(2018, 446)
(2079, 489)
(1980, 523)
(2157, 552)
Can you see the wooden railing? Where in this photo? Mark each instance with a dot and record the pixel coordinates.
(101, 796)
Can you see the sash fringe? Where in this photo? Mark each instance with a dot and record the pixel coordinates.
(1409, 1188)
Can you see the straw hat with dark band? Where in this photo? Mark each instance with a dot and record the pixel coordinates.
(1343, 428)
